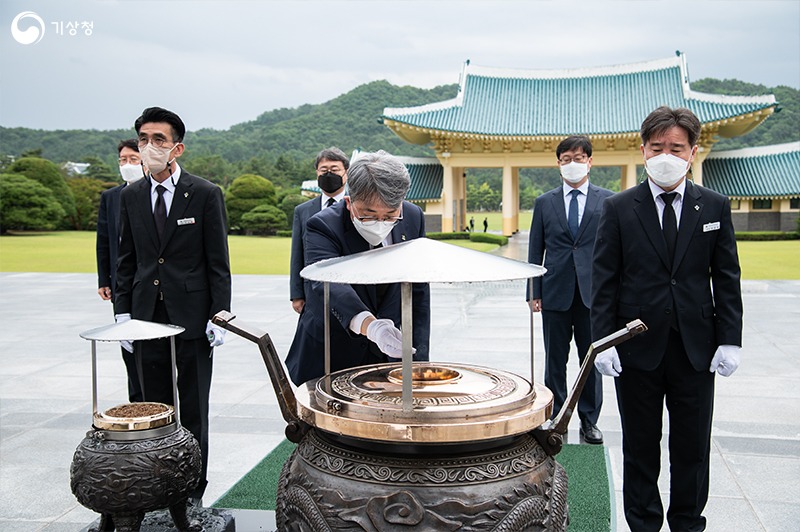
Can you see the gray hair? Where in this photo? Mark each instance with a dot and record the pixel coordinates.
(332, 154)
(379, 176)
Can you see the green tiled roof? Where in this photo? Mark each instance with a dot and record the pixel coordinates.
(426, 179)
(592, 101)
(763, 172)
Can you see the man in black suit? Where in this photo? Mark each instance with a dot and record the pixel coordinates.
(364, 318)
(331, 166)
(107, 248)
(666, 253)
(562, 235)
(173, 267)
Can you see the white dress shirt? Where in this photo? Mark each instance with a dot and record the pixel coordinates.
(584, 189)
(168, 184)
(677, 203)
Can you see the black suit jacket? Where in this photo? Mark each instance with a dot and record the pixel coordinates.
(331, 234)
(632, 278)
(302, 213)
(567, 261)
(190, 266)
(107, 245)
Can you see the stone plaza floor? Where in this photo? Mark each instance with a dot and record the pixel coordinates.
(45, 392)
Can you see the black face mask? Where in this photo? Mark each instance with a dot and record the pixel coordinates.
(330, 182)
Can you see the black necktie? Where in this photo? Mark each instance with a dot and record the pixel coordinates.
(669, 223)
(572, 217)
(330, 202)
(160, 212)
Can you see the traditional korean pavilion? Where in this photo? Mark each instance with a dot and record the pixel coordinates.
(514, 119)
(763, 184)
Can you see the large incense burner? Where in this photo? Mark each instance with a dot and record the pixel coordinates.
(420, 446)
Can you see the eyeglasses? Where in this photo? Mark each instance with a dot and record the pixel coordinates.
(578, 159)
(158, 141)
(129, 160)
(335, 169)
(372, 220)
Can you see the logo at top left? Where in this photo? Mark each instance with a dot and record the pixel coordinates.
(33, 28)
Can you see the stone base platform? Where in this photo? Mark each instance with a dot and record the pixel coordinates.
(212, 519)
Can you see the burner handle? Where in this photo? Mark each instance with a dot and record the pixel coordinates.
(296, 428)
(561, 421)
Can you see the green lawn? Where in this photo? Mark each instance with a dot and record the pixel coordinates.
(74, 251)
(495, 220)
(770, 260)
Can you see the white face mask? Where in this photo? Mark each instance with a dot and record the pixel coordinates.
(156, 159)
(574, 172)
(374, 233)
(666, 169)
(131, 172)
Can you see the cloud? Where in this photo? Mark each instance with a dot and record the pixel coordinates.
(218, 63)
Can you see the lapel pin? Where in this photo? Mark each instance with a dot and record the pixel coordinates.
(185, 194)
(402, 237)
(697, 207)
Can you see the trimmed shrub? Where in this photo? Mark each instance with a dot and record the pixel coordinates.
(288, 204)
(489, 238)
(48, 174)
(27, 204)
(263, 220)
(461, 235)
(245, 193)
(767, 235)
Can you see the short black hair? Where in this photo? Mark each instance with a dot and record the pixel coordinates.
(128, 143)
(663, 119)
(158, 114)
(332, 154)
(573, 142)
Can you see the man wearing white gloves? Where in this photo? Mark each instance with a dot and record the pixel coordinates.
(173, 267)
(364, 318)
(665, 253)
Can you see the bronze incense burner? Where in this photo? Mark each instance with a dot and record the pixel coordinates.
(137, 457)
(420, 446)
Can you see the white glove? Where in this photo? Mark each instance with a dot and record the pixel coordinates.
(215, 335)
(127, 345)
(726, 360)
(608, 362)
(388, 337)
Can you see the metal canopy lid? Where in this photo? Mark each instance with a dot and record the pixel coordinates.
(132, 330)
(421, 260)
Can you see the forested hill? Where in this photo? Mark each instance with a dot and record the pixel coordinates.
(348, 121)
(783, 126)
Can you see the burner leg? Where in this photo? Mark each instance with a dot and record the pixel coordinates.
(128, 522)
(106, 524)
(178, 513)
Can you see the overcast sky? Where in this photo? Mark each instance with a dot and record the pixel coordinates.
(218, 63)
